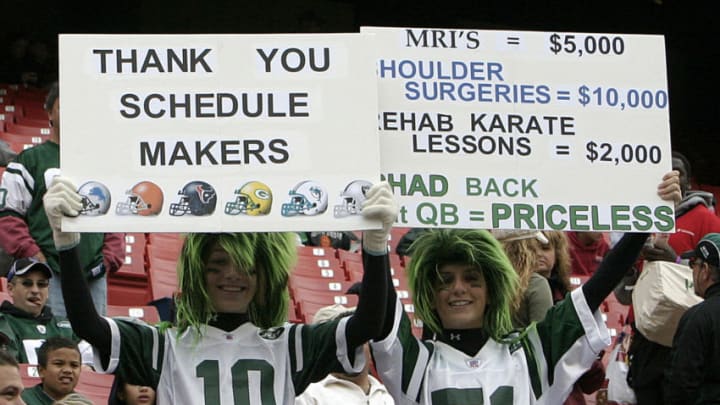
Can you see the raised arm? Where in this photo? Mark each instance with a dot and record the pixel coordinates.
(617, 262)
(368, 321)
(62, 200)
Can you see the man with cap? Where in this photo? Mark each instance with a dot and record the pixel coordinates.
(27, 321)
(693, 376)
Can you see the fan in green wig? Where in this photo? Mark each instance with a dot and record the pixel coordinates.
(268, 255)
(478, 248)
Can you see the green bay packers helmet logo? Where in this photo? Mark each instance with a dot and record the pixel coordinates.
(253, 198)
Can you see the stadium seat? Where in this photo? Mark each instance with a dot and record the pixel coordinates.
(318, 262)
(314, 251)
(155, 238)
(124, 290)
(345, 256)
(162, 277)
(29, 375)
(9, 136)
(95, 386)
(162, 251)
(147, 313)
(310, 308)
(312, 271)
(317, 284)
(21, 129)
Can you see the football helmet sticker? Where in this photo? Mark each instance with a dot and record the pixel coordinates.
(95, 198)
(253, 198)
(307, 198)
(352, 199)
(144, 198)
(196, 198)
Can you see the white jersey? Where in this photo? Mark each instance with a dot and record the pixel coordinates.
(245, 366)
(539, 365)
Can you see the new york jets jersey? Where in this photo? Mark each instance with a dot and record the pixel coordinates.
(538, 365)
(21, 191)
(25, 335)
(245, 366)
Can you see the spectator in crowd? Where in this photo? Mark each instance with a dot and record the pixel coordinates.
(28, 321)
(554, 264)
(694, 219)
(350, 389)
(331, 239)
(463, 286)
(533, 297)
(692, 374)
(695, 213)
(24, 228)
(587, 250)
(234, 299)
(59, 366)
(123, 393)
(11, 385)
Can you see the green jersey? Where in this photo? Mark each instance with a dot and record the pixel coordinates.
(245, 366)
(26, 334)
(23, 186)
(538, 365)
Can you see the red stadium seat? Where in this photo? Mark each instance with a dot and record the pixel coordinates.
(147, 313)
(318, 262)
(10, 136)
(170, 252)
(21, 129)
(162, 276)
(95, 386)
(312, 271)
(317, 284)
(29, 375)
(314, 251)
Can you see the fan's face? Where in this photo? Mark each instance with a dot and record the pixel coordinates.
(230, 288)
(461, 297)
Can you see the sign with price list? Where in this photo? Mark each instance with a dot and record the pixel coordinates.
(524, 130)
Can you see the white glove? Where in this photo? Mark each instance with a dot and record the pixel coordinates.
(60, 200)
(380, 204)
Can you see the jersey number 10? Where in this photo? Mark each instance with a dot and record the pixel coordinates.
(241, 371)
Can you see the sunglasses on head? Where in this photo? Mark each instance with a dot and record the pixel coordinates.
(27, 283)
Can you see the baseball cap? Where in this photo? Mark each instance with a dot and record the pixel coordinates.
(708, 249)
(22, 266)
(509, 235)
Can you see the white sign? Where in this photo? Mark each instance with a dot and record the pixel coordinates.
(179, 133)
(524, 130)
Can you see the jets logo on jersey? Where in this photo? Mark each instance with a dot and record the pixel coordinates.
(272, 333)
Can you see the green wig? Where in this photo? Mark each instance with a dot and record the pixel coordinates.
(478, 248)
(270, 256)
